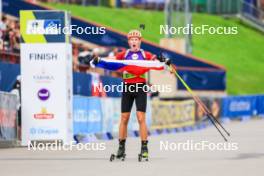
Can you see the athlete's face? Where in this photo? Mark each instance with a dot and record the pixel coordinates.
(134, 43)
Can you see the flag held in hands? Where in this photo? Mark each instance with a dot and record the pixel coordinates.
(136, 67)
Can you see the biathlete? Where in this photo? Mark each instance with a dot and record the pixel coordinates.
(133, 90)
(131, 94)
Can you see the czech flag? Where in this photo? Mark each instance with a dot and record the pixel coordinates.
(136, 67)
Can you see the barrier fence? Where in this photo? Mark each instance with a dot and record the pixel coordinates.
(104, 115)
(8, 119)
(213, 104)
(97, 115)
(235, 107)
(172, 114)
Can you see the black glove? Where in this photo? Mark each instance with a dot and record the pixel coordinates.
(162, 58)
(167, 62)
(95, 59)
(88, 59)
(85, 58)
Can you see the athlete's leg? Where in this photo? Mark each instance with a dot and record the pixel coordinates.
(126, 106)
(123, 134)
(141, 117)
(123, 125)
(141, 104)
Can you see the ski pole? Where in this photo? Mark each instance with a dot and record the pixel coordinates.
(201, 104)
(198, 100)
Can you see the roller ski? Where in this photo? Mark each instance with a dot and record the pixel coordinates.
(143, 156)
(120, 153)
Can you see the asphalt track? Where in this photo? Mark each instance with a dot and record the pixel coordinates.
(247, 160)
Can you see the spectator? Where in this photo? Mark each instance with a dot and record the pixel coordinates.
(10, 35)
(17, 91)
(3, 28)
(126, 3)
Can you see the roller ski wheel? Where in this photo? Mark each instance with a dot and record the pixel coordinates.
(143, 157)
(114, 157)
(121, 155)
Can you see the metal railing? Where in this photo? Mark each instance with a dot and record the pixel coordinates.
(252, 15)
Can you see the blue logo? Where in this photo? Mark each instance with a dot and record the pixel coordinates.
(33, 130)
(51, 24)
(43, 131)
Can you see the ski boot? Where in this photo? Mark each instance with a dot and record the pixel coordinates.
(143, 156)
(120, 153)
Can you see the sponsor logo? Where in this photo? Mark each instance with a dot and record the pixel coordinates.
(239, 106)
(43, 130)
(43, 94)
(86, 116)
(44, 114)
(33, 131)
(134, 56)
(43, 27)
(43, 77)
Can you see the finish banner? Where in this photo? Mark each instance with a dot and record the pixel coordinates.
(172, 114)
(46, 71)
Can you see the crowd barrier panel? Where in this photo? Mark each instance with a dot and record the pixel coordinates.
(8, 119)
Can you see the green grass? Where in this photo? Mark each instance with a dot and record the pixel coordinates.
(241, 54)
